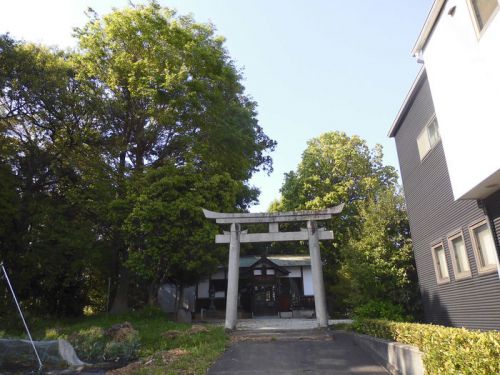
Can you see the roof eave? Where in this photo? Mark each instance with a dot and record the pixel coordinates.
(278, 267)
(428, 26)
(406, 103)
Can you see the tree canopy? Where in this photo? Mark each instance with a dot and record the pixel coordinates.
(171, 92)
(146, 119)
(370, 257)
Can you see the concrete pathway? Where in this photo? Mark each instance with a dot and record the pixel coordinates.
(294, 352)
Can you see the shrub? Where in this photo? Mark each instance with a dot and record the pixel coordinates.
(89, 343)
(446, 350)
(123, 350)
(124, 342)
(119, 343)
(54, 334)
(380, 310)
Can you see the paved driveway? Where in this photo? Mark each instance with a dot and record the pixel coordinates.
(294, 352)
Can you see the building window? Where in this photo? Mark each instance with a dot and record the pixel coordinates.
(459, 258)
(257, 272)
(440, 266)
(484, 247)
(428, 138)
(482, 12)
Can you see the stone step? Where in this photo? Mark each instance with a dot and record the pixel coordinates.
(282, 335)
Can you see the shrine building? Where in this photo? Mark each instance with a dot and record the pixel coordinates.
(274, 285)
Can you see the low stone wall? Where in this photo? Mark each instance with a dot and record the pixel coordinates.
(397, 358)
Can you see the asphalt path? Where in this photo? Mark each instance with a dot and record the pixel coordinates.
(294, 352)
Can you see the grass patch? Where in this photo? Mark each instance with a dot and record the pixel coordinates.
(166, 347)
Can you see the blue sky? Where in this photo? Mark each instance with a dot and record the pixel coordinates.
(312, 66)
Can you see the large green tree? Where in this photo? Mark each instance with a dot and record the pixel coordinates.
(337, 168)
(379, 261)
(146, 119)
(50, 174)
(169, 237)
(171, 95)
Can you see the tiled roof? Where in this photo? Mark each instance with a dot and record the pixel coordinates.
(280, 260)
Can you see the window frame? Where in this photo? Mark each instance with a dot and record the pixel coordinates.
(426, 131)
(480, 269)
(458, 275)
(472, 13)
(440, 280)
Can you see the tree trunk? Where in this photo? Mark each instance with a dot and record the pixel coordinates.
(179, 295)
(183, 315)
(120, 302)
(153, 294)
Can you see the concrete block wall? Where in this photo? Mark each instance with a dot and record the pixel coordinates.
(398, 359)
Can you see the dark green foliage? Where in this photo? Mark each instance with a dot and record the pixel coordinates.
(371, 256)
(379, 310)
(380, 260)
(170, 96)
(168, 234)
(147, 120)
(48, 240)
(89, 343)
(93, 344)
(447, 351)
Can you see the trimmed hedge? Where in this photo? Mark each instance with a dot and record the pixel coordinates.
(446, 350)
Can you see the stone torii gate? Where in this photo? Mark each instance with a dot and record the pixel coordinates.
(237, 236)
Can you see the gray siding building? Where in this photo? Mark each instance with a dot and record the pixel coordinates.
(455, 241)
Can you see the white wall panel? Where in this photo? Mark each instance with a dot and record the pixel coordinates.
(308, 282)
(464, 77)
(294, 271)
(203, 288)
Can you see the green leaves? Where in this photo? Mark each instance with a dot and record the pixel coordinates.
(53, 181)
(380, 260)
(168, 234)
(447, 351)
(108, 152)
(336, 168)
(371, 257)
(173, 92)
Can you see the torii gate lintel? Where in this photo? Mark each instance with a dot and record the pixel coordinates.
(312, 233)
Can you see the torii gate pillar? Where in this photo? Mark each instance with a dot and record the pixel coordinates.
(317, 274)
(233, 276)
(313, 234)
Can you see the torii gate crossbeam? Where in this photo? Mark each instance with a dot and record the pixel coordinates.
(313, 234)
